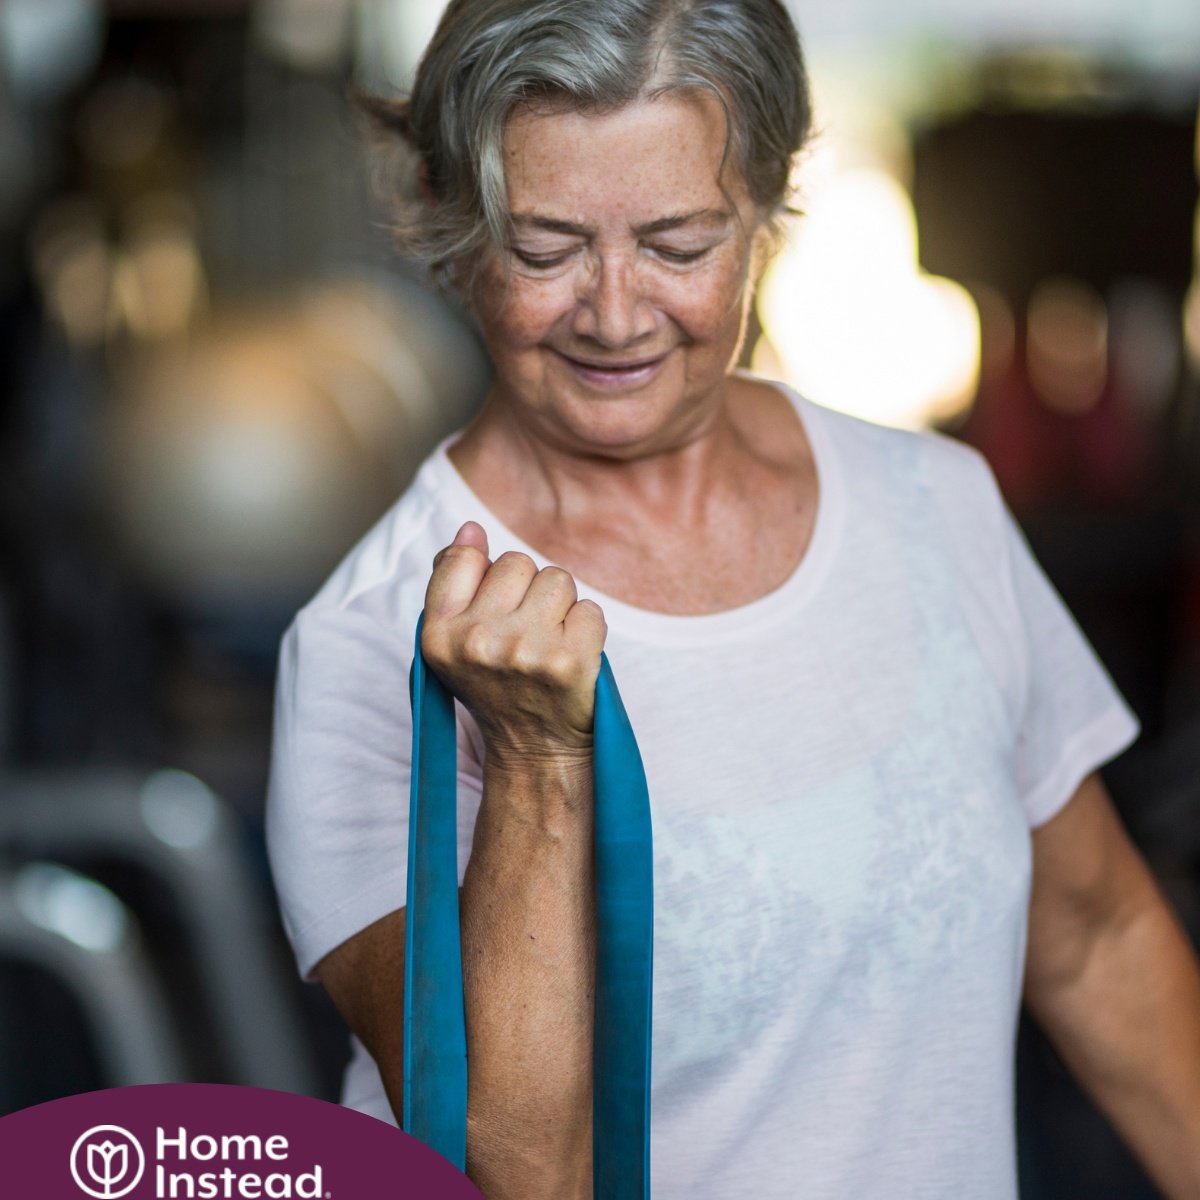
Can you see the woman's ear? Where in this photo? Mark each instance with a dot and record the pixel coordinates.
(764, 242)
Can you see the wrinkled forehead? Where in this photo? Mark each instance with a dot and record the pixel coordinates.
(670, 149)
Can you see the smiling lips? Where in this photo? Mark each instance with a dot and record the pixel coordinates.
(615, 376)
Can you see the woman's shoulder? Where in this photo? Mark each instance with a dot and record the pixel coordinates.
(868, 450)
(922, 449)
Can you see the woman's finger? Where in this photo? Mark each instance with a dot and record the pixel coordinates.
(550, 595)
(457, 572)
(585, 627)
(472, 534)
(504, 586)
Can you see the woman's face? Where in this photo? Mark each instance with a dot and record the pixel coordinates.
(617, 310)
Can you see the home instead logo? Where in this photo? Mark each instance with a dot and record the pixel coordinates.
(107, 1162)
(203, 1141)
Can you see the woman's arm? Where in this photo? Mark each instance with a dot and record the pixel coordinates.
(1115, 984)
(514, 645)
(528, 961)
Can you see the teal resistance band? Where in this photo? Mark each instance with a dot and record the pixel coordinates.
(435, 1043)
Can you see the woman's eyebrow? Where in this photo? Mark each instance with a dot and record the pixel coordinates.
(550, 224)
(702, 216)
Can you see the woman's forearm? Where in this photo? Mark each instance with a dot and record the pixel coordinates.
(1129, 1027)
(528, 945)
(522, 653)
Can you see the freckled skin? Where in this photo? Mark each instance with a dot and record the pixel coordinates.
(620, 294)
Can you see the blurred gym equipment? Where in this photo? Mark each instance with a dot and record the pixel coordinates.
(171, 826)
(79, 933)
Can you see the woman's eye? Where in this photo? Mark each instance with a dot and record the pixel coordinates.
(681, 256)
(540, 262)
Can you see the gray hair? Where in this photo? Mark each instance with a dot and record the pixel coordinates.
(489, 57)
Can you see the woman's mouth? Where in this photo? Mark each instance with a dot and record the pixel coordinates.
(617, 375)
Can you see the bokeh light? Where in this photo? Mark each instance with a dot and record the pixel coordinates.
(851, 319)
(1067, 345)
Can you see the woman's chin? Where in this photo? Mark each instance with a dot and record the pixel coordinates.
(625, 422)
(626, 429)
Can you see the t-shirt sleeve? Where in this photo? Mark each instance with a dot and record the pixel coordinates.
(337, 805)
(1071, 718)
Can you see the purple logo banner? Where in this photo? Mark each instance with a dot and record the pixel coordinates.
(199, 1141)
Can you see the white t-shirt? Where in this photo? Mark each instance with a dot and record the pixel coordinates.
(843, 776)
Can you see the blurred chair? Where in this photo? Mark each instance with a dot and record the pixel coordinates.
(172, 827)
(79, 933)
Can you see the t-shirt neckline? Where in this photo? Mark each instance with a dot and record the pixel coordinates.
(627, 620)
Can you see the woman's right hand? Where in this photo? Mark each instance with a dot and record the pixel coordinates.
(518, 648)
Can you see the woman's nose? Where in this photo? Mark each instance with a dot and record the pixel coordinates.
(612, 309)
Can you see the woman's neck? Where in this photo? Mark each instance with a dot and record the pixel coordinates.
(712, 522)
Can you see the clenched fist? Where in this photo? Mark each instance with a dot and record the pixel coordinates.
(517, 647)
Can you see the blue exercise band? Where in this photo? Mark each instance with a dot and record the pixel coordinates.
(435, 1044)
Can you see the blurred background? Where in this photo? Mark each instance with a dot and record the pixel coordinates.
(215, 375)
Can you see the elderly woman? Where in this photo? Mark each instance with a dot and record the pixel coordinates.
(870, 728)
